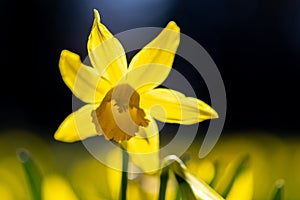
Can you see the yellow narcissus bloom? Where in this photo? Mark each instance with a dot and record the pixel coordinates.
(123, 101)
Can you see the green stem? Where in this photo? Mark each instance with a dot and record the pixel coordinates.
(32, 172)
(125, 158)
(163, 183)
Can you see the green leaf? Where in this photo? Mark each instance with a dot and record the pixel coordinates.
(32, 173)
(178, 194)
(213, 182)
(278, 190)
(234, 169)
(189, 183)
(185, 189)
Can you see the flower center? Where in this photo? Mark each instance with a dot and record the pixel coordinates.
(119, 115)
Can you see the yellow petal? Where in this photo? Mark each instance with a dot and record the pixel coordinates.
(106, 52)
(151, 66)
(173, 107)
(143, 148)
(77, 126)
(81, 79)
(55, 187)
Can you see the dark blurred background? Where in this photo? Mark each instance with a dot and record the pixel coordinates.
(255, 44)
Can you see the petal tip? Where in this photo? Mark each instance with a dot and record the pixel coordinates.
(57, 136)
(206, 111)
(60, 135)
(96, 15)
(64, 52)
(173, 26)
(214, 114)
(65, 57)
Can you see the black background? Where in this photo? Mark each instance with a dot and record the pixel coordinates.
(255, 44)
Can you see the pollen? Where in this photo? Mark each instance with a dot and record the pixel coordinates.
(119, 115)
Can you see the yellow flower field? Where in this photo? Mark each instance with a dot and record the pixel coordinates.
(70, 172)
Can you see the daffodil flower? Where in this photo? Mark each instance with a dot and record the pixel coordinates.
(123, 101)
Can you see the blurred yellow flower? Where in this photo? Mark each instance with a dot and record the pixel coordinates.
(122, 101)
(202, 169)
(5, 192)
(55, 187)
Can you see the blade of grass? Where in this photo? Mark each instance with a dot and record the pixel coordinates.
(185, 189)
(217, 173)
(278, 191)
(178, 194)
(199, 188)
(32, 173)
(225, 183)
